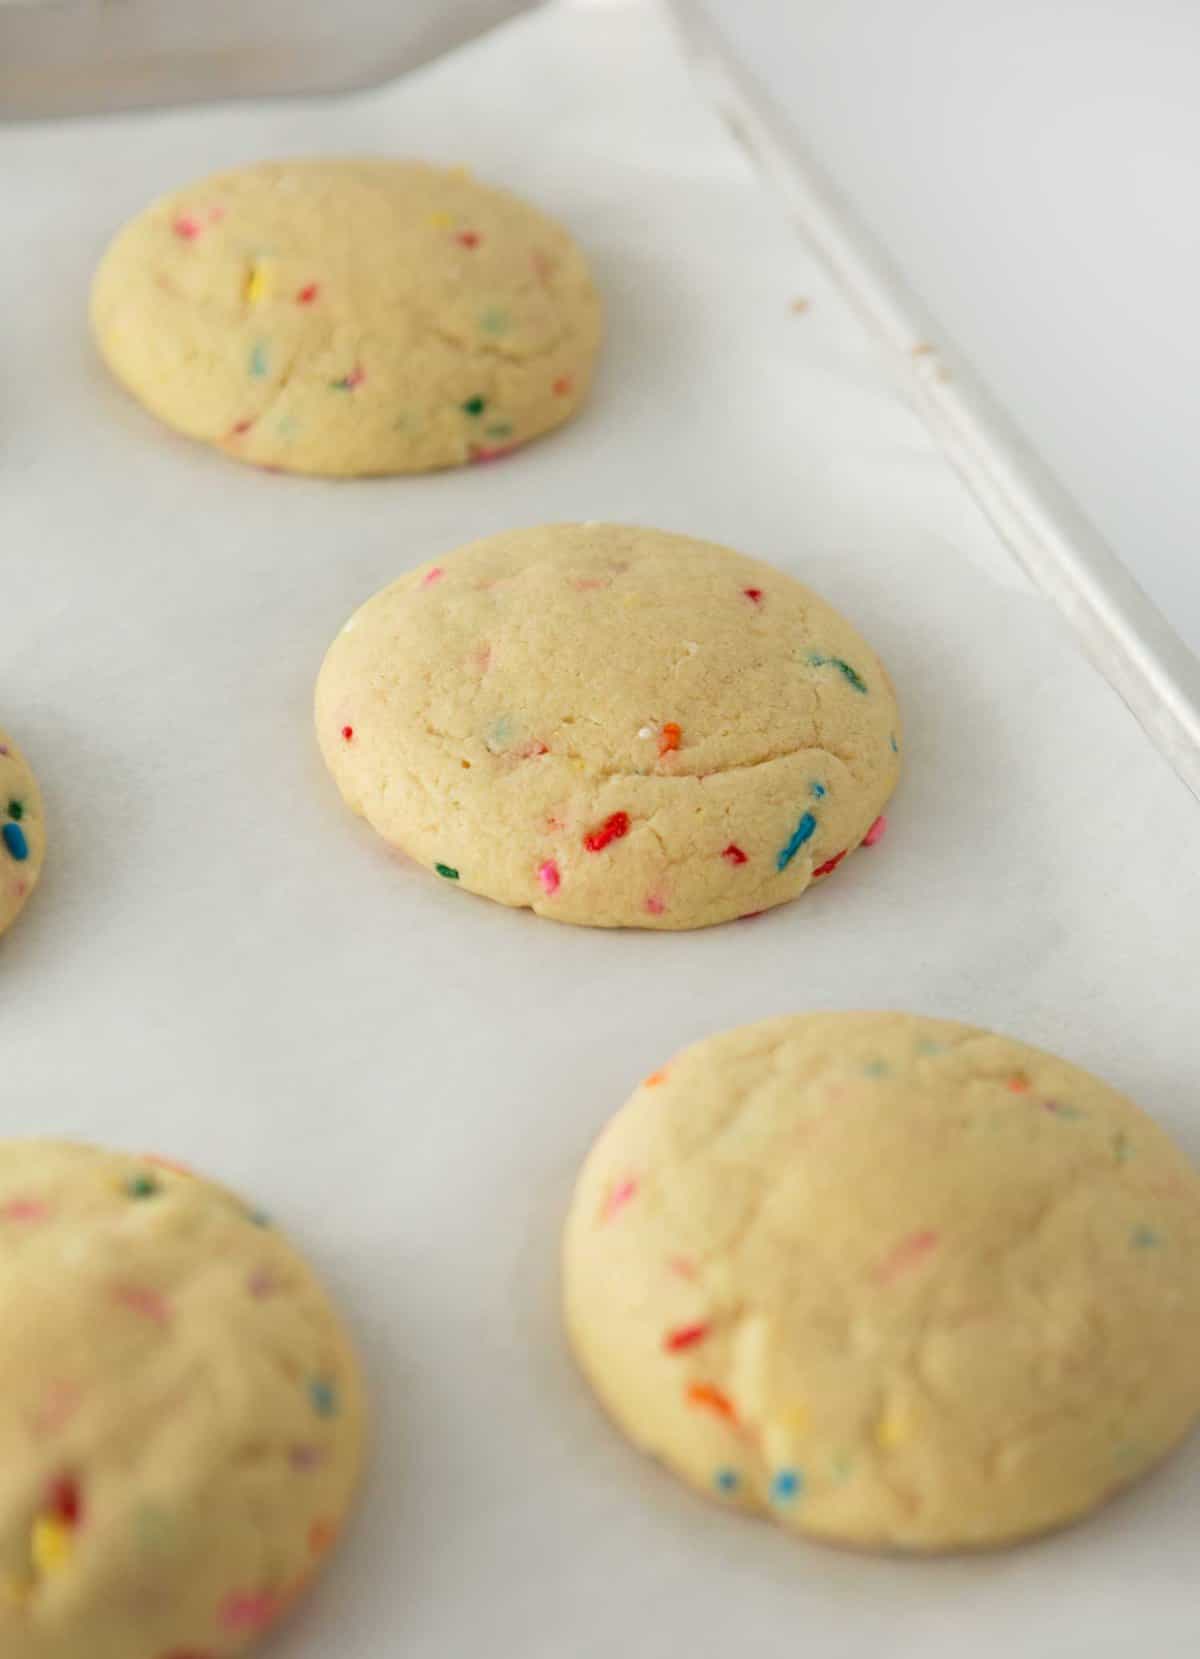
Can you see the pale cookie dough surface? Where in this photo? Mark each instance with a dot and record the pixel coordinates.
(22, 831)
(610, 725)
(349, 317)
(893, 1281)
(181, 1417)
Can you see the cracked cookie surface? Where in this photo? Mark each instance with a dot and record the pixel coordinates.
(612, 726)
(22, 832)
(181, 1423)
(895, 1282)
(349, 317)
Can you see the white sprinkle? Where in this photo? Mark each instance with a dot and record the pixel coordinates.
(646, 731)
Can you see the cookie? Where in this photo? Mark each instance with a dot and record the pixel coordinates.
(611, 726)
(348, 317)
(891, 1281)
(181, 1419)
(22, 831)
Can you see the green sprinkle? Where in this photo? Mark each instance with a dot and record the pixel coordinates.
(447, 870)
(494, 320)
(851, 675)
(876, 1068)
(474, 406)
(16, 810)
(1145, 1238)
(323, 1396)
(258, 360)
(142, 1186)
(727, 1480)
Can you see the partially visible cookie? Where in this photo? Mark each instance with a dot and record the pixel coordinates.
(22, 831)
(181, 1418)
(347, 317)
(891, 1281)
(611, 725)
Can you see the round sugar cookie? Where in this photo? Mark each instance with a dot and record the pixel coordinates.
(348, 317)
(894, 1282)
(22, 831)
(181, 1418)
(612, 726)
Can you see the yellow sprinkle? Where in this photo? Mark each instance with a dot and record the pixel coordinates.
(440, 221)
(50, 1544)
(892, 1429)
(256, 285)
(796, 1417)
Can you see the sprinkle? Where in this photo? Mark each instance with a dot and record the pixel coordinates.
(256, 285)
(619, 1197)
(474, 406)
(249, 1611)
(24, 1209)
(894, 744)
(215, 215)
(481, 454)
(1018, 1083)
(830, 865)
(851, 675)
(892, 1429)
(16, 809)
(262, 1283)
(876, 832)
(1061, 1110)
(1145, 1238)
(681, 1266)
(612, 829)
(532, 749)
(818, 791)
(321, 1536)
(148, 1303)
(258, 1218)
(468, 238)
(645, 731)
(906, 1256)
(549, 877)
(563, 386)
(305, 1458)
(734, 854)
(1121, 1148)
(142, 1186)
(15, 842)
(804, 831)
(787, 1485)
(669, 738)
(63, 1501)
(655, 1078)
(655, 904)
(307, 294)
(240, 428)
(726, 1480)
(494, 321)
(349, 381)
(258, 360)
(799, 307)
(709, 1397)
(348, 734)
(186, 229)
(324, 1398)
(431, 576)
(687, 1336)
(50, 1544)
(447, 871)
(754, 595)
(875, 1068)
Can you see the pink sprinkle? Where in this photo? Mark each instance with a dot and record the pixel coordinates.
(909, 1253)
(876, 832)
(186, 228)
(734, 854)
(619, 1197)
(148, 1303)
(307, 294)
(656, 905)
(355, 378)
(548, 876)
(468, 238)
(249, 1610)
(25, 1209)
(532, 749)
(754, 594)
(495, 452)
(261, 1283)
(432, 576)
(588, 584)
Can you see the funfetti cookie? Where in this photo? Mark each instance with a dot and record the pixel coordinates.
(893, 1282)
(612, 726)
(22, 831)
(347, 317)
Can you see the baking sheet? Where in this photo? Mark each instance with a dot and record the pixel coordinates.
(223, 965)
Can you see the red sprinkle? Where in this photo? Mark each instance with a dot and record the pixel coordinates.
(612, 829)
(186, 228)
(562, 386)
(734, 854)
(753, 593)
(687, 1336)
(481, 453)
(348, 733)
(712, 1399)
(876, 832)
(64, 1502)
(829, 865)
(669, 738)
(468, 238)
(240, 427)
(307, 294)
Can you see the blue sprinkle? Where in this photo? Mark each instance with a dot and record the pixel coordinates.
(804, 831)
(894, 744)
(14, 840)
(787, 1485)
(258, 360)
(727, 1480)
(819, 791)
(1145, 1238)
(323, 1396)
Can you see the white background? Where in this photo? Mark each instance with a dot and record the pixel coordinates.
(224, 966)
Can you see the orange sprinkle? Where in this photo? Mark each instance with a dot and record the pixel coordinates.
(1018, 1083)
(562, 386)
(711, 1398)
(656, 1077)
(320, 1536)
(669, 738)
